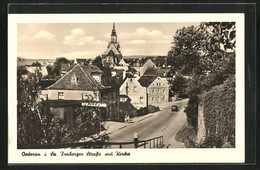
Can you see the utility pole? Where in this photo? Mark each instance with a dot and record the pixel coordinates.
(147, 100)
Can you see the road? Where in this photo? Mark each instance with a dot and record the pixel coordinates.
(164, 122)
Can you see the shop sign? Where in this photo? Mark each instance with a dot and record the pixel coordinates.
(93, 104)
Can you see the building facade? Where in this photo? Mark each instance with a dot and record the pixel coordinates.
(79, 87)
(133, 89)
(157, 89)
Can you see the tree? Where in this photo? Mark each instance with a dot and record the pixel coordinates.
(61, 60)
(28, 122)
(186, 50)
(179, 85)
(89, 123)
(98, 62)
(160, 61)
(36, 63)
(54, 71)
(220, 37)
(201, 50)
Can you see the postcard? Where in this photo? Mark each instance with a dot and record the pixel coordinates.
(126, 88)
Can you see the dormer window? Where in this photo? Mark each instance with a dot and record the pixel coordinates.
(74, 79)
(84, 96)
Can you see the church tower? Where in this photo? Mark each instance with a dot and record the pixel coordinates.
(113, 34)
(112, 56)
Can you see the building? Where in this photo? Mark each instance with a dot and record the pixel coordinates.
(157, 89)
(35, 69)
(79, 87)
(142, 69)
(112, 56)
(133, 89)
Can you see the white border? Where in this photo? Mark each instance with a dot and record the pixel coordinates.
(234, 155)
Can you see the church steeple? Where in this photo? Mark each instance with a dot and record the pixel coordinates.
(113, 34)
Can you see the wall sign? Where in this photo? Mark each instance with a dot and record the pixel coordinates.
(93, 104)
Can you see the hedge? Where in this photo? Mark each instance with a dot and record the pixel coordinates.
(219, 114)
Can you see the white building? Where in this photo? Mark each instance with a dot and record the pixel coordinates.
(133, 89)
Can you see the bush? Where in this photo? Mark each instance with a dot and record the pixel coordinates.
(128, 109)
(192, 111)
(143, 110)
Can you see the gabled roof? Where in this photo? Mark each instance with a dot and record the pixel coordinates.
(84, 80)
(145, 81)
(162, 72)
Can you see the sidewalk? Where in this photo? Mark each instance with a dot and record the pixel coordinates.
(114, 126)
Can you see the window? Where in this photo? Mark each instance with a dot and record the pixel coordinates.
(158, 84)
(84, 96)
(163, 98)
(135, 89)
(158, 99)
(163, 90)
(152, 98)
(158, 90)
(60, 95)
(141, 99)
(74, 79)
(152, 90)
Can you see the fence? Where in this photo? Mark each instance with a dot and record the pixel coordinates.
(156, 142)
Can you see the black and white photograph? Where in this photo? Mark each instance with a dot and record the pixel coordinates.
(119, 86)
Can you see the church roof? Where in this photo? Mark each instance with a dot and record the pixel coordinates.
(84, 80)
(112, 47)
(113, 33)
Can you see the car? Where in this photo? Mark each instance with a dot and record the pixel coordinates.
(174, 108)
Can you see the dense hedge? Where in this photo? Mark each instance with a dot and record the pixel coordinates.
(219, 114)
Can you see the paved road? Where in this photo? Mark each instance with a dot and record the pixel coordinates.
(164, 122)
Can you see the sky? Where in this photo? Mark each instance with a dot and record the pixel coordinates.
(88, 40)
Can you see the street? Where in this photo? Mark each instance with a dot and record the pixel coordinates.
(165, 122)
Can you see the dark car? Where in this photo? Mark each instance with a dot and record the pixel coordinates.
(174, 108)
